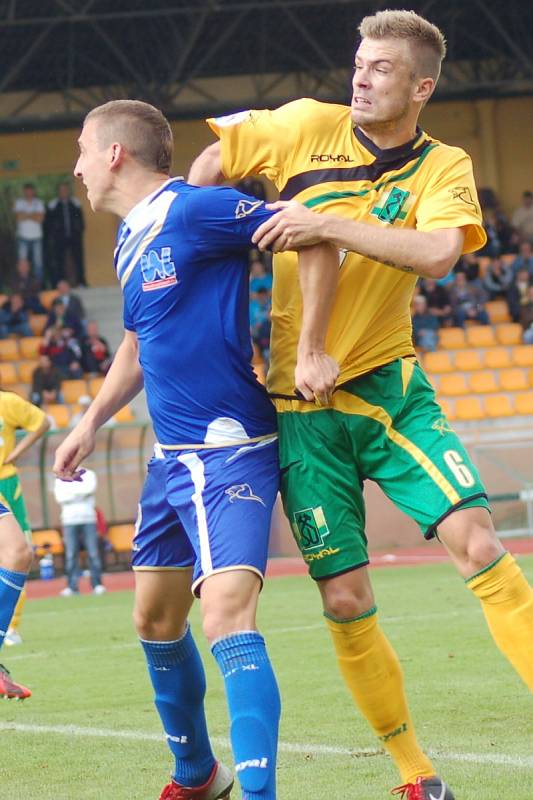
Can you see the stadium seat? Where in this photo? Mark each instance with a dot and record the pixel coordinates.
(514, 380)
(26, 369)
(59, 414)
(509, 333)
(95, 385)
(468, 360)
(451, 338)
(483, 382)
(47, 297)
(453, 385)
(9, 349)
(124, 415)
(437, 362)
(523, 402)
(8, 374)
(522, 355)
(468, 408)
(480, 336)
(447, 407)
(72, 390)
(37, 323)
(498, 311)
(496, 358)
(498, 405)
(29, 346)
(120, 538)
(22, 389)
(47, 540)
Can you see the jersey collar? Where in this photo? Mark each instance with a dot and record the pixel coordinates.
(135, 218)
(391, 153)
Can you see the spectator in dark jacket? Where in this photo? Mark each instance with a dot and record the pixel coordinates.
(96, 355)
(64, 227)
(497, 279)
(438, 301)
(45, 383)
(518, 295)
(24, 284)
(425, 325)
(64, 351)
(468, 301)
(60, 317)
(13, 318)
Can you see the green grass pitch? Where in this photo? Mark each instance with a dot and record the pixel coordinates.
(86, 670)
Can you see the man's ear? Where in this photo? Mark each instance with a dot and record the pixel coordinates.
(116, 155)
(423, 90)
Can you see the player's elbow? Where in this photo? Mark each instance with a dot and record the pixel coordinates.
(206, 170)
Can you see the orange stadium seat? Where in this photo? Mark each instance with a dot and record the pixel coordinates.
(73, 389)
(496, 358)
(468, 408)
(47, 541)
(483, 382)
(509, 333)
(37, 323)
(26, 369)
(453, 385)
(124, 415)
(95, 385)
(498, 311)
(47, 297)
(480, 336)
(29, 346)
(8, 374)
(523, 402)
(514, 380)
(59, 414)
(522, 355)
(451, 338)
(468, 360)
(120, 538)
(447, 407)
(22, 389)
(498, 405)
(437, 362)
(9, 349)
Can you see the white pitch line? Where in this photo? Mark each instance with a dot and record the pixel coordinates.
(501, 759)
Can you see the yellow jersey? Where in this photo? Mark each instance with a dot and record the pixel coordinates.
(15, 413)
(312, 153)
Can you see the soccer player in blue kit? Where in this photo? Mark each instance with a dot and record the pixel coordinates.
(204, 515)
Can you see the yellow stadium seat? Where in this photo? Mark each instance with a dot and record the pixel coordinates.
(451, 338)
(73, 389)
(22, 389)
(447, 407)
(509, 333)
(47, 297)
(480, 336)
(59, 414)
(498, 311)
(498, 405)
(37, 323)
(121, 537)
(523, 402)
(26, 369)
(124, 415)
(514, 380)
(437, 362)
(29, 346)
(95, 385)
(9, 349)
(496, 358)
(47, 541)
(483, 382)
(522, 355)
(8, 374)
(468, 360)
(453, 385)
(468, 408)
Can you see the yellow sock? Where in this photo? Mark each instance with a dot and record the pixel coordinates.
(373, 675)
(17, 613)
(507, 602)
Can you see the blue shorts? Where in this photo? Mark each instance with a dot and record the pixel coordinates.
(4, 510)
(207, 509)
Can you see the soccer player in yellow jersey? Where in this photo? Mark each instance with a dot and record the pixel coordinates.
(398, 204)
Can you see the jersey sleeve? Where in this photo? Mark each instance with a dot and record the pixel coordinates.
(221, 220)
(258, 142)
(450, 201)
(127, 318)
(20, 413)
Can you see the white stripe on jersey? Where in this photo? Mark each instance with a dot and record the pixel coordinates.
(195, 466)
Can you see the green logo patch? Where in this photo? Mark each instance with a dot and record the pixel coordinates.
(392, 206)
(310, 528)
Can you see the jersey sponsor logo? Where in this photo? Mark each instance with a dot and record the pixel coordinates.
(442, 426)
(232, 119)
(261, 763)
(393, 205)
(243, 491)
(246, 207)
(310, 528)
(464, 194)
(158, 270)
(328, 157)
(324, 553)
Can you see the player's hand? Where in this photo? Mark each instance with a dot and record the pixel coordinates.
(294, 226)
(72, 451)
(315, 376)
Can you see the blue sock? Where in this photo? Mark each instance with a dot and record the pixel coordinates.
(254, 709)
(11, 585)
(178, 678)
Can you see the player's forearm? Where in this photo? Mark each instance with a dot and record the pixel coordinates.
(206, 170)
(431, 254)
(25, 443)
(318, 274)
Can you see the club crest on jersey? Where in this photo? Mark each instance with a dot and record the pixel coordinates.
(392, 205)
(246, 207)
(157, 269)
(310, 528)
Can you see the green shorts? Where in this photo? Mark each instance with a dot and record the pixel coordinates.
(387, 427)
(11, 496)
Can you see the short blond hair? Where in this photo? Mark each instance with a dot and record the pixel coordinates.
(430, 43)
(142, 129)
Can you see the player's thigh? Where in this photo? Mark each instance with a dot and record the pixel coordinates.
(15, 553)
(229, 602)
(322, 492)
(11, 493)
(163, 599)
(224, 498)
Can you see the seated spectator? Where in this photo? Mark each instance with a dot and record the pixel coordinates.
(468, 301)
(497, 279)
(95, 353)
(526, 317)
(438, 301)
(517, 295)
(522, 218)
(259, 277)
(61, 317)
(24, 284)
(64, 351)
(524, 259)
(71, 301)
(469, 265)
(425, 325)
(13, 318)
(45, 383)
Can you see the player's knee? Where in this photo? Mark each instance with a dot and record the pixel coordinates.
(482, 548)
(152, 625)
(226, 618)
(342, 602)
(17, 555)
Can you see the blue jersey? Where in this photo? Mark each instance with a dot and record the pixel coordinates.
(182, 261)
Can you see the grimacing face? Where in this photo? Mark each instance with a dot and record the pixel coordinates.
(383, 83)
(92, 166)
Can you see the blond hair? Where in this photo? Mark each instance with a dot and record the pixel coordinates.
(141, 128)
(430, 44)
